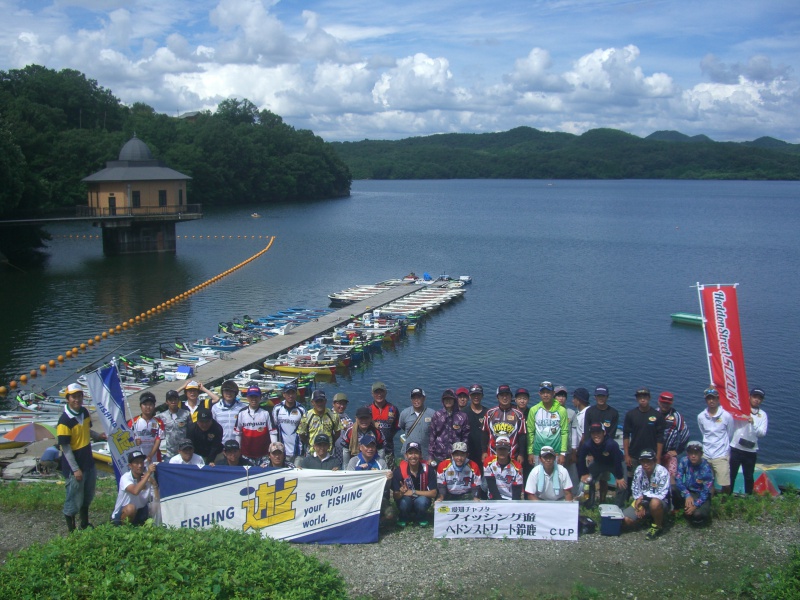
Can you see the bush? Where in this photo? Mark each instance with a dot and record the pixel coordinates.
(156, 562)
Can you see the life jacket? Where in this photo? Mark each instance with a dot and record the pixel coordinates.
(423, 475)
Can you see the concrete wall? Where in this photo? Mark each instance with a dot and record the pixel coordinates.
(139, 238)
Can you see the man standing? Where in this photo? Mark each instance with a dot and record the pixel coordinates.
(415, 422)
(413, 487)
(462, 397)
(287, 416)
(135, 492)
(676, 434)
(650, 491)
(548, 480)
(340, 403)
(602, 412)
(717, 427)
(77, 464)
(503, 420)
(385, 415)
(547, 426)
(147, 429)
(744, 444)
(206, 436)
(320, 419)
(351, 440)
(176, 422)
(695, 481)
(580, 400)
(476, 413)
(321, 459)
(569, 460)
(448, 426)
(253, 428)
(225, 413)
(192, 390)
(642, 429)
(502, 475)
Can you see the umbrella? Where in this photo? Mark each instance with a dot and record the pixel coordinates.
(31, 432)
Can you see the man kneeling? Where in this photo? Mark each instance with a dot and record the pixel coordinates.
(135, 492)
(695, 481)
(650, 490)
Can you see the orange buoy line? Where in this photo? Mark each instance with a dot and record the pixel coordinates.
(74, 351)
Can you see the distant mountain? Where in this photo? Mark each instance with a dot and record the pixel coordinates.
(527, 153)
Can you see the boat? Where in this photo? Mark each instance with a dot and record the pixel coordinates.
(687, 319)
(102, 456)
(255, 215)
(782, 476)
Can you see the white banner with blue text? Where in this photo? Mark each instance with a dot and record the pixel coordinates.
(520, 519)
(324, 507)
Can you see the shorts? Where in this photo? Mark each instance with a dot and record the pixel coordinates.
(722, 470)
(670, 463)
(139, 519)
(630, 512)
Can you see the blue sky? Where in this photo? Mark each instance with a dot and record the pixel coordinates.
(355, 69)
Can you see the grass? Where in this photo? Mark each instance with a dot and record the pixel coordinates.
(50, 496)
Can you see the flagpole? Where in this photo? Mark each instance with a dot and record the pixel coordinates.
(705, 333)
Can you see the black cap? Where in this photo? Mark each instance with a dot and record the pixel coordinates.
(581, 394)
(230, 445)
(186, 444)
(322, 438)
(173, 395)
(596, 428)
(147, 397)
(647, 455)
(203, 414)
(363, 411)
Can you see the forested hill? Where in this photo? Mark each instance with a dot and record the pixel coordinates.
(526, 153)
(57, 127)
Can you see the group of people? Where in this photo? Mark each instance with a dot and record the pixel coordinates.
(462, 451)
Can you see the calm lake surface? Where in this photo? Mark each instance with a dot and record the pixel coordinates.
(574, 282)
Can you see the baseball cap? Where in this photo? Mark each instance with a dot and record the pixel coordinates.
(173, 395)
(476, 388)
(254, 390)
(502, 441)
(448, 393)
(340, 397)
(289, 387)
(319, 396)
(135, 455)
(462, 391)
(522, 392)
(322, 438)
(378, 385)
(147, 397)
(367, 439)
(710, 392)
(186, 444)
(276, 447)
(229, 384)
(363, 411)
(560, 389)
(417, 392)
(757, 392)
(192, 385)
(581, 394)
(642, 391)
(601, 390)
(647, 455)
(694, 445)
(459, 447)
(204, 414)
(413, 446)
(546, 385)
(666, 397)
(74, 388)
(231, 445)
(547, 450)
(503, 389)
(597, 428)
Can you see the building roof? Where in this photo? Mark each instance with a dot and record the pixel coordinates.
(136, 163)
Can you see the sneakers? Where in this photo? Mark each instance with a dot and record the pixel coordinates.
(423, 523)
(401, 524)
(654, 532)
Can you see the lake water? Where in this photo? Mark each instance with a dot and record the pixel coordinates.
(574, 282)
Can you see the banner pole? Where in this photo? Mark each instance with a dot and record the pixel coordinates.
(705, 334)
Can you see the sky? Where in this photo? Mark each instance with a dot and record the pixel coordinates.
(376, 69)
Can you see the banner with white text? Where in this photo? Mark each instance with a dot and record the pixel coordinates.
(724, 341)
(307, 506)
(520, 519)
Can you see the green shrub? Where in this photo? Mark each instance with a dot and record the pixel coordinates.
(157, 562)
(755, 508)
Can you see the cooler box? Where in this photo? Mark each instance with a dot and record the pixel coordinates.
(184, 372)
(610, 519)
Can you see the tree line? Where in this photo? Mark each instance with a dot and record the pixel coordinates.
(57, 127)
(527, 153)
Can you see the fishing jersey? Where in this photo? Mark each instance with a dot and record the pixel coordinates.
(387, 420)
(254, 431)
(695, 479)
(312, 424)
(651, 486)
(507, 479)
(206, 403)
(225, 415)
(175, 427)
(508, 422)
(286, 421)
(74, 429)
(145, 433)
(446, 429)
(457, 482)
(676, 432)
(547, 428)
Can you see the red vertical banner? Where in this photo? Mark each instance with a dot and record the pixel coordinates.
(724, 343)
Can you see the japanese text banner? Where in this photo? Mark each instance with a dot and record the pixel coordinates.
(507, 519)
(724, 341)
(325, 507)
